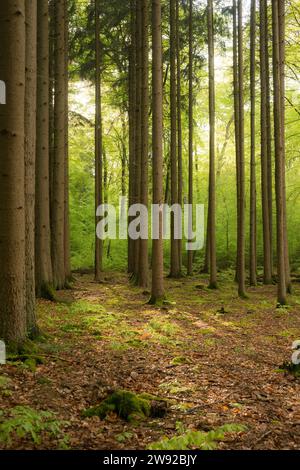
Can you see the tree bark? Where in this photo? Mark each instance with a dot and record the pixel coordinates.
(179, 126)
(191, 130)
(143, 250)
(253, 217)
(67, 249)
(30, 152)
(174, 261)
(212, 176)
(157, 291)
(279, 158)
(58, 192)
(241, 202)
(265, 158)
(12, 177)
(43, 265)
(98, 145)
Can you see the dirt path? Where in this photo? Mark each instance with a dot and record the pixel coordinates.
(214, 356)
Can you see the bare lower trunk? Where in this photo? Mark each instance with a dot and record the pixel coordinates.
(157, 291)
(12, 200)
(43, 266)
(30, 151)
(66, 201)
(179, 127)
(253, 220)
(191, 131)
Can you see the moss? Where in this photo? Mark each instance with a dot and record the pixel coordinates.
(129, 406)
(125, 404)
(48, 292)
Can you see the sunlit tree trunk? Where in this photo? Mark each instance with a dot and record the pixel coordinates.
(212, 176)
(12, 200)
(30, 152)
(66, 201)
(157, 291)
(279, 157)
(98, 144)
(143, 252)
(265, 170)
(43, 265)
(281, 25)
(253, 219)
(191, 131)
(236, 116)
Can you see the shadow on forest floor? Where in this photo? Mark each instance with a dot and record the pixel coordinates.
(213, 357)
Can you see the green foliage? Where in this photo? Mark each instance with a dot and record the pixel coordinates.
(26, 423)
(188, 439)
(125, 404)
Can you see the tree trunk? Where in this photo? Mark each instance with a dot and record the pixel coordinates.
(58, 192)
(279, 157)
(66, 201)
(253, 219)
(157, 291)
(191, 132)
(30, 152)
(281, 20)
(241, 202)
(265, 164)
(43, 265)
(132, 110)
(179, 127)
(98, 144)
(174, 261)
(143, 250)
(212, 176)
(12, 200)
(138, 116)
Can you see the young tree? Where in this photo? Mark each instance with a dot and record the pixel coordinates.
(30, 154)
(174, 264)
(279, 156)
(98, 143)
(157, 291)
(58, 189)
(212, 182)
(12, 200)
(143, 251)
(191, 132)
(43, 265)
(265, 164)
(253, 218)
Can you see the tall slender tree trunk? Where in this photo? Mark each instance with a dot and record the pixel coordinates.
(58, 193)
(157, 291)
(253, 218)
(98, 144)
(191, 132)
(212, 176)
(30, 152)
(279, 157)
(43, 265)
(143, 251)
(265, 156)
(179, 126)
(281, 25)
(12, 178)
(66, 201)
(174, 261)
(241, 202)
(132, 110)
(236, 118)
(138, 116)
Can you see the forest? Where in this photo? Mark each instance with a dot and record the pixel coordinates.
(149, 225)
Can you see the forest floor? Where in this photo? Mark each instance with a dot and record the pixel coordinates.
(216, 358)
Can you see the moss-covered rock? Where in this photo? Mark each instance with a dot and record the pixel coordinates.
(128, 406)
